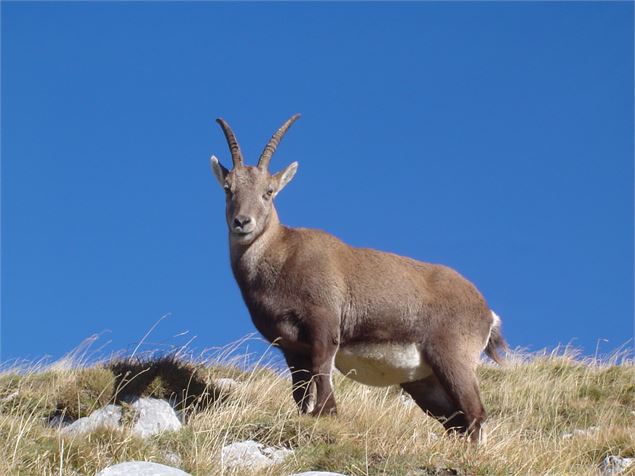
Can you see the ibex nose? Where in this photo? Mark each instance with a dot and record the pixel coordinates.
(241, 220)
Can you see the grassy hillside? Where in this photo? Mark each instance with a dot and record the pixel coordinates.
(533, 404)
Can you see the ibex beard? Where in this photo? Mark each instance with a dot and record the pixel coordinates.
(379, 318)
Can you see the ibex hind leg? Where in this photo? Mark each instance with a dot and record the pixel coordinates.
(457, 376)
(451, 395)
(431, 397)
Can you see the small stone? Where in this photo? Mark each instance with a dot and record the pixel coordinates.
(317, 473)
(9, 397)
(172, 458)
(141, 468)
(407, 400)
(277, 455)
(614, 465)
(252, 455)
(154, 416)
(106, 417)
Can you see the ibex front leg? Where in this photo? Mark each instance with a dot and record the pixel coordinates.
(324, 333)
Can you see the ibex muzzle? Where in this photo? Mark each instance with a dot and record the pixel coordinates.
(380, 318)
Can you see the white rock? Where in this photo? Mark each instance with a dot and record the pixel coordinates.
(251, 455)
(172, 458)
(277, 455)
(154, 416)
(614, 465)
(317, 473)
(141, 468)
(407, 400)
(106, 417)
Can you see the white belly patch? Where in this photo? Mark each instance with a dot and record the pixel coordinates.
(382, 364)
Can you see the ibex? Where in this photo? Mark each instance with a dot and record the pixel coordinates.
(379, 318)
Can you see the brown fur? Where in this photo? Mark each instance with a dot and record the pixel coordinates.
(312, 294)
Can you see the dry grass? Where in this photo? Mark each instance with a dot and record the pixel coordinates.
(533, 403)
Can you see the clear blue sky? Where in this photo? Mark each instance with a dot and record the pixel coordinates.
(496, 138)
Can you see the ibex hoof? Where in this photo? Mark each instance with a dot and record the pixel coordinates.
(324, 411)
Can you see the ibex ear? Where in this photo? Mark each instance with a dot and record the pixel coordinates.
(284, 177)
(220, 172)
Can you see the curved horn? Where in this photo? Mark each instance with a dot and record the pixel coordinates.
(270, 148)
(237, 155)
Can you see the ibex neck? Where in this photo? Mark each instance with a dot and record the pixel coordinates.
(246, 260)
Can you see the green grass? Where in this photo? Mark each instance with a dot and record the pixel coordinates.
(532, 403)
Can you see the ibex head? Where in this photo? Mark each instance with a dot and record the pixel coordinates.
(250, 190)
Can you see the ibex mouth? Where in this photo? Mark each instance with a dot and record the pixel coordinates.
(242, 235)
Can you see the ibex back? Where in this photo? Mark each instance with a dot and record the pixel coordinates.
(379, 318)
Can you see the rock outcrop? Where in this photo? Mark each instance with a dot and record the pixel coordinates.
(614, 465)
(151, 416)
(252, 455)
(106, 417)
(154, 416)
(141, 468)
